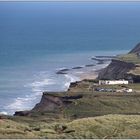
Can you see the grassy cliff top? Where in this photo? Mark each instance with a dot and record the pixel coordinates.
(136, 71)
(130, 58)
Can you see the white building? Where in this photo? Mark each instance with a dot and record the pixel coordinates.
(113, 82)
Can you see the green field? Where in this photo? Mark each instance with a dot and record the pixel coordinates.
(132, 58)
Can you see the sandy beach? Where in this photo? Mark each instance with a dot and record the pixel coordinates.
(89, 75)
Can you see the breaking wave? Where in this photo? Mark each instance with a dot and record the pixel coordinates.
(43, 83)
(70, 79)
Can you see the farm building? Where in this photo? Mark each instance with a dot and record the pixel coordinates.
(113, 82)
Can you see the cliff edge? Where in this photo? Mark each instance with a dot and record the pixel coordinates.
(116, 70)
(51, 102)
(136, 49)
(125, 66)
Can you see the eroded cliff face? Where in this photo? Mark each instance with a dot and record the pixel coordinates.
(50, 103)
(136, 49)
(116, 70)
(135, 78)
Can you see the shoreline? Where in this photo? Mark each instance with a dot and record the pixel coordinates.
(78, 73)
(90, 75)
(88, 71)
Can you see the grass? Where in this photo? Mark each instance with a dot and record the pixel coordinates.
(12, 129)
(134, 86)
(135, 71)
(131, 58)
(107, 126)
(88, 87)
(94, 105)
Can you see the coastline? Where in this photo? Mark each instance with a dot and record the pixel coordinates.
(88, 71)
(73, 74)
(69, 70)
(36, 80)
(60, 80)
(92, 73)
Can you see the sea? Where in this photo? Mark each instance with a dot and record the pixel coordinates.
(37, 39)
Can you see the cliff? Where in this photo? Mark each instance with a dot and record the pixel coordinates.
(125, 66)
(48, 103)
(116, 70)
(136, 49)
(51, 102)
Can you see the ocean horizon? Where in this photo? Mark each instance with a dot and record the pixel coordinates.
(38, 39)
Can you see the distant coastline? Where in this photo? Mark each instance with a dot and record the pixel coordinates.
(76, 67)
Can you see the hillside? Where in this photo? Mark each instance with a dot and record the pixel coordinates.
(125, 66)
(136, 49)
(108, 126)
(117, 69)
(82, 101)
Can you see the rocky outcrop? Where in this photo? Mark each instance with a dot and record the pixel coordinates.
(116, 70)
(74, 84)
(48, 103)
(136, 49)
(62, 71)
(22, 113)
(78, 67)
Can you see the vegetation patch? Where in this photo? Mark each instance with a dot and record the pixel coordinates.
(131, 58)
